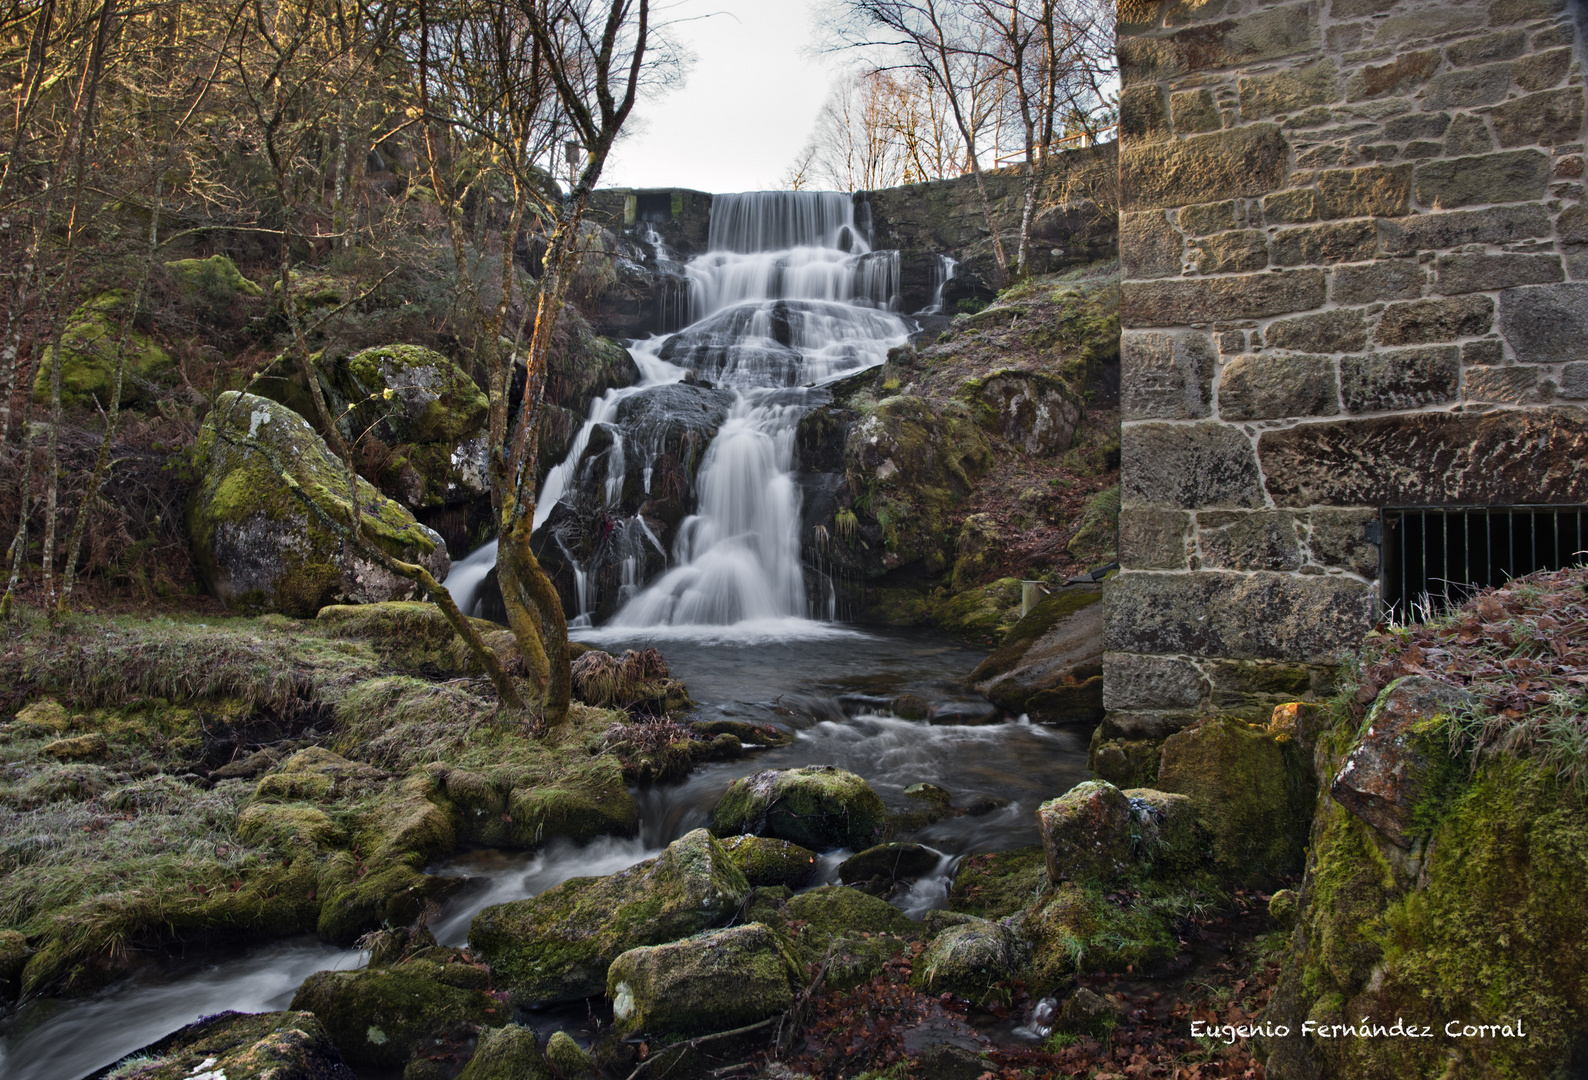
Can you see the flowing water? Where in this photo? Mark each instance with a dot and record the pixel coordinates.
(789, 296)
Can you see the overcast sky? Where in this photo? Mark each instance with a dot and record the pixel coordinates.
(746, 106)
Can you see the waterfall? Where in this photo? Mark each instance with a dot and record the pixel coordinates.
(789, 295)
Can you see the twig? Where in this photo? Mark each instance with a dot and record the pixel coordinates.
(698, 1040)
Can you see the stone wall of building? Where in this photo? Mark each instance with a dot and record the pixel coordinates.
(1355, 253)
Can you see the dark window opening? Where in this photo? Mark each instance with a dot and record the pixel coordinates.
(654, 206)
(1436, 558)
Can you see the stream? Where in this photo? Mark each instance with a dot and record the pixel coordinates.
(789, 297)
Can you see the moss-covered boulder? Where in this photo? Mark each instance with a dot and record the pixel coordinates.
(557, 946)
(1166, 832)
(257, 521)
(1096, 539)
(970, 960)
(93, 342)
(713, 981)
(569, 1060)
(998, 884)
(818, 806)
(379, 1016)
(1485, 928)
(415, 394)
(1086, 833)
(78, 748)
(767, 861)
(1078, 928)
(859, 932)
(216, 278)
(878, 868)
(1030, 409)
(507, 1053)
(1252, 792)
(238, 1046)
(1050, 666)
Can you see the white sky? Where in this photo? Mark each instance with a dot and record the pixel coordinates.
(746, 107)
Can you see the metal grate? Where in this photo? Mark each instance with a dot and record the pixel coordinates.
(1437, 557)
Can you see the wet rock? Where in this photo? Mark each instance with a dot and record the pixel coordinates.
(78, 748)
(1392, 765)
(910, 707)
(929, 793)
(1086, 832)
(507, 1053)
(257, 544)
(747, 733)
(569, 1060)
(768, 861)
(714, 981)
(379, 1016)
(557, 946)
(877, 869)
(241, 1046)
(970, 960)
(818, 806)
(966, 713)
(1050, 666)
(1253, 797)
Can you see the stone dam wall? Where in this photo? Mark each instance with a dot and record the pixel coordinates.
(1355, 258)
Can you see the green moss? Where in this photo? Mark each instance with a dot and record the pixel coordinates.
(89, 357)
(858, 932)
(985, 612)
(1079, 928)
(215, 278)
(973, 960)
(507, 1053)
(557, 946)
(999, 884)
(1096, 539)
(819, 806)
(240, 1046)
(767, 861)
(710, 982)
(418, 394)
(379, 1016)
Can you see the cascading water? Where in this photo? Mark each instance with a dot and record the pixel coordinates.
(788, 296)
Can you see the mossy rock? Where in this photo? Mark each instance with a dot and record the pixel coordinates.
(507, 1053)
(89, 358)
(986, 612)
(767, 861)
(858, 931)
(1096, 539)
(971, 960)
(557, 946)
(414, 636)
(1086, 833)
(878, 868)
(1048, 613)
(379, 1016)
(818, 806)
(1076, 928)
(1167, 833)
(287, 826)
(1253, 797)
(579, 806)
(1486, 929)
(569, 1060)
(416, 393)
(215, 278)
(713, 981)
(1000, 883)
(1125, 763)
(254, 521)
(77, 748)
(1030, 409)
(239, 1046)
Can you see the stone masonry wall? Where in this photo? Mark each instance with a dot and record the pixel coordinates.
(1355, 250)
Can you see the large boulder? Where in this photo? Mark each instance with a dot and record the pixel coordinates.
(767, 861)
(257, 521)
(818, 806)
(1397, 759)
(93, 342)
(380, 1016)
(240, 1046)
(1086, 833)
(1030, 409)
(216, 279)
(858, 932)
(713, 981)
(878, 868)
(412, 394)
(1253, 793)
(557, 946)
(1051, 664)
